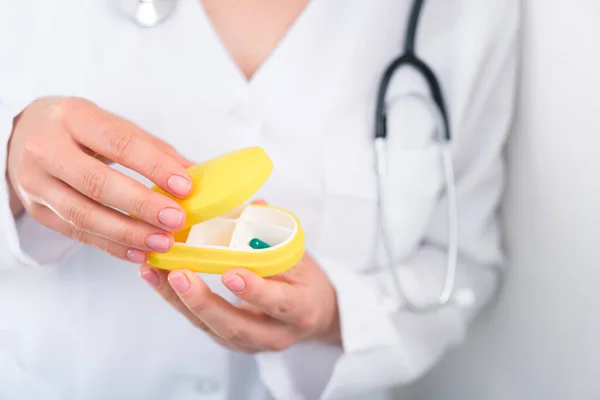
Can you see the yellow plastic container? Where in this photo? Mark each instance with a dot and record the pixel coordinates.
(219, 226)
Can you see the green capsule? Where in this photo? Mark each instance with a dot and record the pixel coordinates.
(258, 244)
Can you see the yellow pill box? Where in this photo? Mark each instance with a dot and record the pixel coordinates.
(219, 226)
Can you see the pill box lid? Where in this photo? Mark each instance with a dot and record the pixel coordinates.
(224, 183)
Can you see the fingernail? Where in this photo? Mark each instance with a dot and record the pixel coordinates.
(179, 185)
(150, 276)
(136, 256)
(158, 242)
(235, 283)
(170, 217)
(179, 282)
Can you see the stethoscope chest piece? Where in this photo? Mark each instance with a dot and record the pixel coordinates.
(148, 13)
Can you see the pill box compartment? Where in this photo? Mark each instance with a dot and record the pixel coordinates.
(221, 243)
(238, 227)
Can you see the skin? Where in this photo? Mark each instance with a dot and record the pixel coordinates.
(58, 173)
(298, 305)
(251, 30)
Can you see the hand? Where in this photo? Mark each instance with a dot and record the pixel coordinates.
(296, 306)
(57, 158)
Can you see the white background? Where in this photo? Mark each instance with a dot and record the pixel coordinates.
(542, 339)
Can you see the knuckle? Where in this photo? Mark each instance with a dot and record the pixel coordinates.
(156, 167)
(78, 234)
(93, 184)
(30, 146)
(129, 236)
(33, 150)
(165, 147)
(198, 305)
(105, 246)
(169, 149)
(171, 297)
(120, 144)
(112, 248)
(79, 217)
(67, 106)
(141, 207)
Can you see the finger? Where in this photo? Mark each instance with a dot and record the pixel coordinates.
(105, 185)
(89, 216)
(277, 298)
(236, 346)
(226, 320)
(249, 308)
(97, 156)
(48, 218)
(163, 146)
(169, 150)
(158, 279)
(127, 144)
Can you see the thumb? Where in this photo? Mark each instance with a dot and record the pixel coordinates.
(259, 202)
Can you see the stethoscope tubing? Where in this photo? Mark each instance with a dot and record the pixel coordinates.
(436, 107)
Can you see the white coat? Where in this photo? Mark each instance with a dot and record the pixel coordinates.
(78, 324)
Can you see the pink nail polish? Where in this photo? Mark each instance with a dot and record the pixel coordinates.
(151, 277)
(235, 283)
(171, 218)
(136, 256)
(158, 242)
(179, 185)
(179, 282)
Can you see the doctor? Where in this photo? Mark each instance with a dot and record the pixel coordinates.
(94, 108)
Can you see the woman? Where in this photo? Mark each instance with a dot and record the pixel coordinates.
(296, 78)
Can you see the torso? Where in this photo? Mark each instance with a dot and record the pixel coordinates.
(305, 93)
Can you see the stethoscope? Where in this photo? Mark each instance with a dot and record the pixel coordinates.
(148, 13)
(435, 104)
